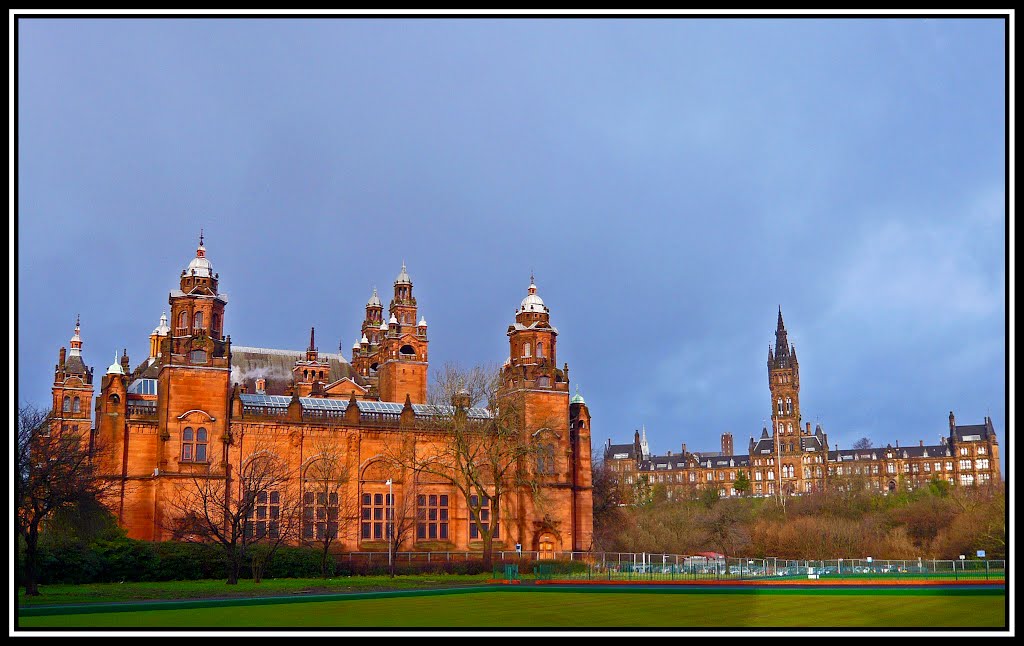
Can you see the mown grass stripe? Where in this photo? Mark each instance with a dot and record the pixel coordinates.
(42, 611)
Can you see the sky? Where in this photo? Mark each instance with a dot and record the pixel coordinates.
(670, 183)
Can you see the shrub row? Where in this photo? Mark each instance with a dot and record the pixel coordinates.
(125, 559)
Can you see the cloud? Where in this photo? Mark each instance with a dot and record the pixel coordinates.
(930, 269)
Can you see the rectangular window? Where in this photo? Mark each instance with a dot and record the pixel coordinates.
(320, 515)
(982, 463)
(914, 467)
(982, 451)
(927, 467)
(373, 510)
(432, 517)
(484, 520)
(964, 450)
(264, 516)
(966, 479)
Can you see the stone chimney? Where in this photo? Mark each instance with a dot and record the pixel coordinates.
(922, 442)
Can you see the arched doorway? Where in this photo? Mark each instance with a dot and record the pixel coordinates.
(892, 485)
(546, 546)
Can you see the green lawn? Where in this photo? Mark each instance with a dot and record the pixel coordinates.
(539, 608)
(216, 589)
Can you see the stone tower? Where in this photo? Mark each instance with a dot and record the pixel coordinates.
(784, 386)
(72, 388)
(402, 354)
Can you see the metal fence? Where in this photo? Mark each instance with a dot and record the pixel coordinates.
(642, 566)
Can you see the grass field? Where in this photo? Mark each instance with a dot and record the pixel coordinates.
(530, 607)
(61, 594)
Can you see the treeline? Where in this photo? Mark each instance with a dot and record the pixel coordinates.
(934, 522)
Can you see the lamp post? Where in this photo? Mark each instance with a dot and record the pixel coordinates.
(390, 510)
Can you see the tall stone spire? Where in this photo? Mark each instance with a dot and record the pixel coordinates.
(781, 342)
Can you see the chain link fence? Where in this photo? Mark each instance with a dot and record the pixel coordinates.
(642, 566)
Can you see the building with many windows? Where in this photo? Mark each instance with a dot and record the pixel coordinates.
(791, 458)
(201, 408)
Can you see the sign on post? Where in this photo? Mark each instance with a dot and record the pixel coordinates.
(981, 554)
(519, 548)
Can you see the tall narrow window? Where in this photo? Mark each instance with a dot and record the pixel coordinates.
(789, 405)
(215, 328)
(484, 519)
(67, 404)
(780, 405)
(540, 349)
(78, 405)
(183, 322)
(546, 459)
(526, 349)
(188, 444)
(432, 517)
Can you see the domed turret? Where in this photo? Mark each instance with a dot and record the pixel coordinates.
(532, 302)
(115, 368)
(374, 299)
(200, 265)
(403, 276)
(162, 329)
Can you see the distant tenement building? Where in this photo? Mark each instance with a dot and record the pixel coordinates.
(793, 459)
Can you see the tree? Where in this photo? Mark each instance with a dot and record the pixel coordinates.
(327, 501)
(54, 471)
(258, 505)
(482, 457)
(863, 443)
(742, 483)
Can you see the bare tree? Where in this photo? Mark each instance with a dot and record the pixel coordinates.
(484, 457)
(403, 517)
(54, 470)
(328, 501)
(238, 510)
(863, 443)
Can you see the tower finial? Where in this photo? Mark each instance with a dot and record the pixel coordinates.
(200, 236)
(78, 321)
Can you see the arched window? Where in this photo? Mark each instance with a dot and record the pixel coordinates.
(544, 381)
(67, 404)
(78, 405)
(183, 320)
(789, 405)
(198, 321)
(780, 406)
(546, 459)
(540, 349)
(188, 444)
(194, 444)
(526, 349)
(789, 429)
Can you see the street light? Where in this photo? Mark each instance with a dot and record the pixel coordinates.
(390, 514)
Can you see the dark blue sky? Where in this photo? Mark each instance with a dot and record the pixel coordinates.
(671, 182)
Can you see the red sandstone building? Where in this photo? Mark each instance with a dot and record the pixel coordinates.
(791, 459)
(198, 405)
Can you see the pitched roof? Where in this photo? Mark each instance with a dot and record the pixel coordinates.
(275, 365)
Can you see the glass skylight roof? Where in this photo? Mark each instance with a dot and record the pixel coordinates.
(143, 387)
